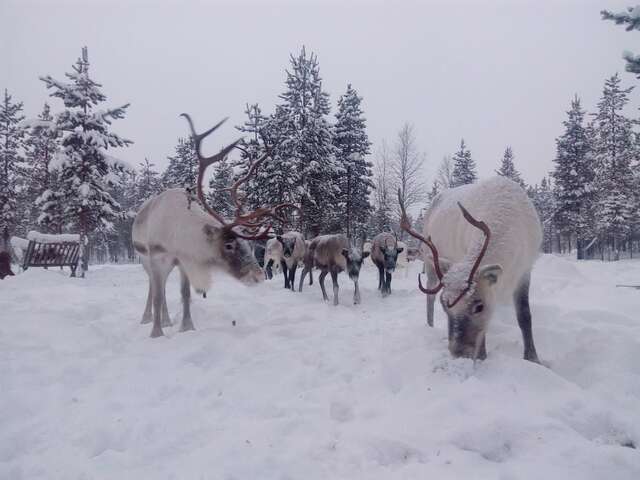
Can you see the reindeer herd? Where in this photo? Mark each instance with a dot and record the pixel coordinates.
(473, 264)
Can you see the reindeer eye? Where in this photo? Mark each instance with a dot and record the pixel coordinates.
(229, 246)
(478, 308)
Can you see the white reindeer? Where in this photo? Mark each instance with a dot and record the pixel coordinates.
(479, 263)
(172, 229)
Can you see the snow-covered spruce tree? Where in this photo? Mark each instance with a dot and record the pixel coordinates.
(573, 175)
(12, 169)
(613, 153)
(182, 171)
(351, 140)
(305, 147)
(269, 182)
(543, 199)
(86, 170)
(219, 197)
(508, 169)
(148, 182)
(113, 242)
(464, 167)
(41, 146)
(631, 20)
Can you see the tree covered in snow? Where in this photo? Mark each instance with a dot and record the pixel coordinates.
(270, 180)
(182, 171)
(12, 168)
(148, 183)
(543, 199)
(574, 175)
(304, 145)
(613, 153)
(508, 169)
(86, 171)
(41, 145)
(219, 197)
(352, 143)
(631, 20)
(464, 167)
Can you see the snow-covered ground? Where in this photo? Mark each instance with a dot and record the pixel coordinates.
(300, 389)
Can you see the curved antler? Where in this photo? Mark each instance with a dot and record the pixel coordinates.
(406, 226)
(484, 228)
(205, 162)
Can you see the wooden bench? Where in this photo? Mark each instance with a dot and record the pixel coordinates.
(52, 251)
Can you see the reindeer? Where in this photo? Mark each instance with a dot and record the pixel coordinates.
(272, 256)
(333, 254)
(5, 265)
(307, 263)
(293, 251)
(384, 254)
(479, 263)
(172, 229)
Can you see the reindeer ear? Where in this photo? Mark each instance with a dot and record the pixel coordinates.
(345, 252)
(279, 238)
(399, 249)
(490, 273)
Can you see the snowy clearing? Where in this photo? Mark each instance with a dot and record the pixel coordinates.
(299, 389)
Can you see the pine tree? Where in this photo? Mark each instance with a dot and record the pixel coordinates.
(543, 199)
(86, 170)
(148, 182)
(351, 140)
(631, 20)
(219, 197)
(574, 175)
(614, 149)
(182, 171)
(12, 168)
(304, 145)
(508, 168)
(464, 168)
(41, 146)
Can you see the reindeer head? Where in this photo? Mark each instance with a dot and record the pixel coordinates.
(468, 294)
(229, 241)
(354, 256)
(288, 244)
(390, 251)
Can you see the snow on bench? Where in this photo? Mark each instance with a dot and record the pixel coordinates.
(46, 250)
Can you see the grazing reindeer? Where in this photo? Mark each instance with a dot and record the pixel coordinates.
(172, 229)
(293, 251)
(272, 256)
(478, 263)
(384, 254)
(5, 265)
(333, 254)
(307, 263)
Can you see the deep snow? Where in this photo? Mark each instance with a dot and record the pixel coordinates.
(300, 389)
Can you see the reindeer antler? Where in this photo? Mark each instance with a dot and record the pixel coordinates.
(487, 235)
(251, 221)
(406, 226)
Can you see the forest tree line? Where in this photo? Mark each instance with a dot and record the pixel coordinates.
(58, 174)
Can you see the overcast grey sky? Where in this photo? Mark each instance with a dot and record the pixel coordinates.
(493, 72)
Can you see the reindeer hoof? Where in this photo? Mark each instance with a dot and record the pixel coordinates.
(156, 332)
(145, 319)
(187, 327)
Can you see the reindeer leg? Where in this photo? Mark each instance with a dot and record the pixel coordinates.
(311, 276)
(432, 282)
(166, 319)
(523, 313)
(285, 272)
(185, 292)
(292, 277)
(269, 269)
(147, 316)
(323, 274)
(380, 277)
(302, 275)
(334, 280)
(386, 284)
(356, 293)
(159, 280)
